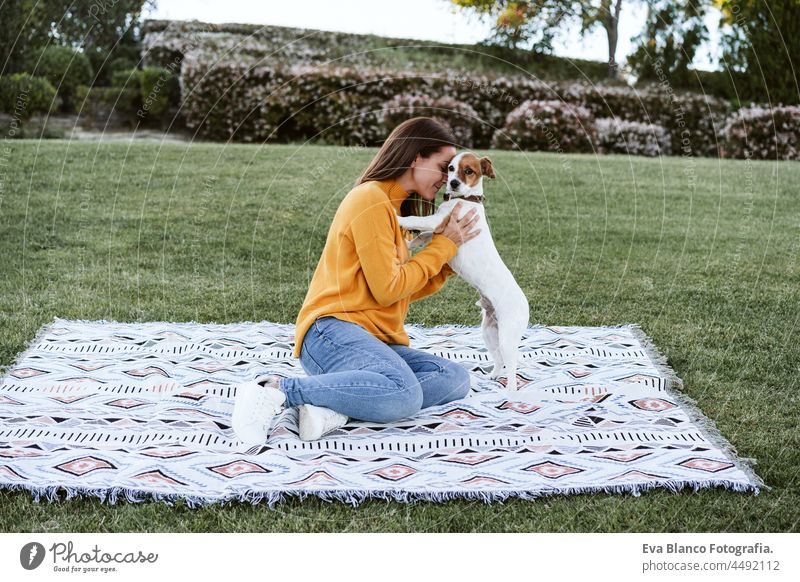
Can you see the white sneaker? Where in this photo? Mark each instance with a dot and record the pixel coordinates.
(271, 378)
(316, 421)
(253, 411)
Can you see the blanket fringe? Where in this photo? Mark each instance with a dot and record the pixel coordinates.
(112, 495)
(674, 385)
(689, 405)
(675, 389)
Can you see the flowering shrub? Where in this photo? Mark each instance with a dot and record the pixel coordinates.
(763, 133)
(338, 105)
(234, 99)
(250, 83)
(548, 125)
(691, 119)
(165, 40)
(458, 116)
(615, 136)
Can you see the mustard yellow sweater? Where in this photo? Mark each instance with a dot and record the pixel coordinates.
(365, 274)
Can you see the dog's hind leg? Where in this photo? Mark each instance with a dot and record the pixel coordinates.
(512, 320)
(490, 336)
(509, 351)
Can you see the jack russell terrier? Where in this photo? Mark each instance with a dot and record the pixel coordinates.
(503, 304)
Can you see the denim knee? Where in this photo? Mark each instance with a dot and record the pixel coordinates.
(403, 403)
(460, 379)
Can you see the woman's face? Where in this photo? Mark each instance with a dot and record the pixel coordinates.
(430, 174)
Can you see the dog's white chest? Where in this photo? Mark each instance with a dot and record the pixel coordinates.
(477, 260)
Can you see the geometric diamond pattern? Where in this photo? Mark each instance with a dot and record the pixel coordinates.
(99, 407)
(80, 467)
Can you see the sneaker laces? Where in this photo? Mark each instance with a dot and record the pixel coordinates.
(262, 404)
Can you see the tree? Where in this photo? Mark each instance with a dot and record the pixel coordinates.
(538, 21)
(518, 23)
(97, 27)
(761, 48)
(606, 14)
(25, 24)
(668, 44)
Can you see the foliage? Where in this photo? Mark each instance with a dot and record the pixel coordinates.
(756, 132)
(228, 100)
(25, 25)
(518, 23)
(539, 21)
(165, 43)
(159, 91)
(668, 44)
(761, 44)
(126, 78)
(64, 67)
(103, 106)
(22, 95)
(548, 125)
(102, 29)
(616, 136)
(458, 116)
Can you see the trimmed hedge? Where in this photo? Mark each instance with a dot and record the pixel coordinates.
(760, 133)
(65, 68)
(458, 116)
(159, 91)
(616, 136)
(126, 78)
(233, 88)
(22, 95)
(692, 120)
(550, 126)
(229, 99)
(103, 106)
(165, 41)
(253, 83)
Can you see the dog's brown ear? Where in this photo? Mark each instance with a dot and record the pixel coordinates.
(486, 167)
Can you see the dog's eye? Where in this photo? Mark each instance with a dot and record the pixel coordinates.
(451, 168)
(468, 171)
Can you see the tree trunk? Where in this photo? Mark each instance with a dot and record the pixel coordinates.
(611, 23)
(612, 51)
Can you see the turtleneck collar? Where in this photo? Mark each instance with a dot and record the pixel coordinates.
(394, 191)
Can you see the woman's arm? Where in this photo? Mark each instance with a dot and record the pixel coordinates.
(434, 284)
(389, 280)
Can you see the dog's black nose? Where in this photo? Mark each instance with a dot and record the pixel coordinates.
(454, 184)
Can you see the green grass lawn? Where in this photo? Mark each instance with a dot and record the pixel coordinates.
(702, 253)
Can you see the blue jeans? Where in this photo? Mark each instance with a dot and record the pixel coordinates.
(354, 373)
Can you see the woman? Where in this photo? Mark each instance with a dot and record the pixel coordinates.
(349, 333)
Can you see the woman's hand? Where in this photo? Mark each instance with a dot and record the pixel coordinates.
(459, 231)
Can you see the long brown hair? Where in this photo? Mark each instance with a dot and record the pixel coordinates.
(418, 135)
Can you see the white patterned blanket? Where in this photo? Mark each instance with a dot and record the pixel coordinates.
(142, 411)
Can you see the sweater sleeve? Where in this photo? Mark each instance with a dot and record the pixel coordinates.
(390, 280)
(434, 283)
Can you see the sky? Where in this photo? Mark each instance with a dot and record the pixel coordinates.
(417, 19)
